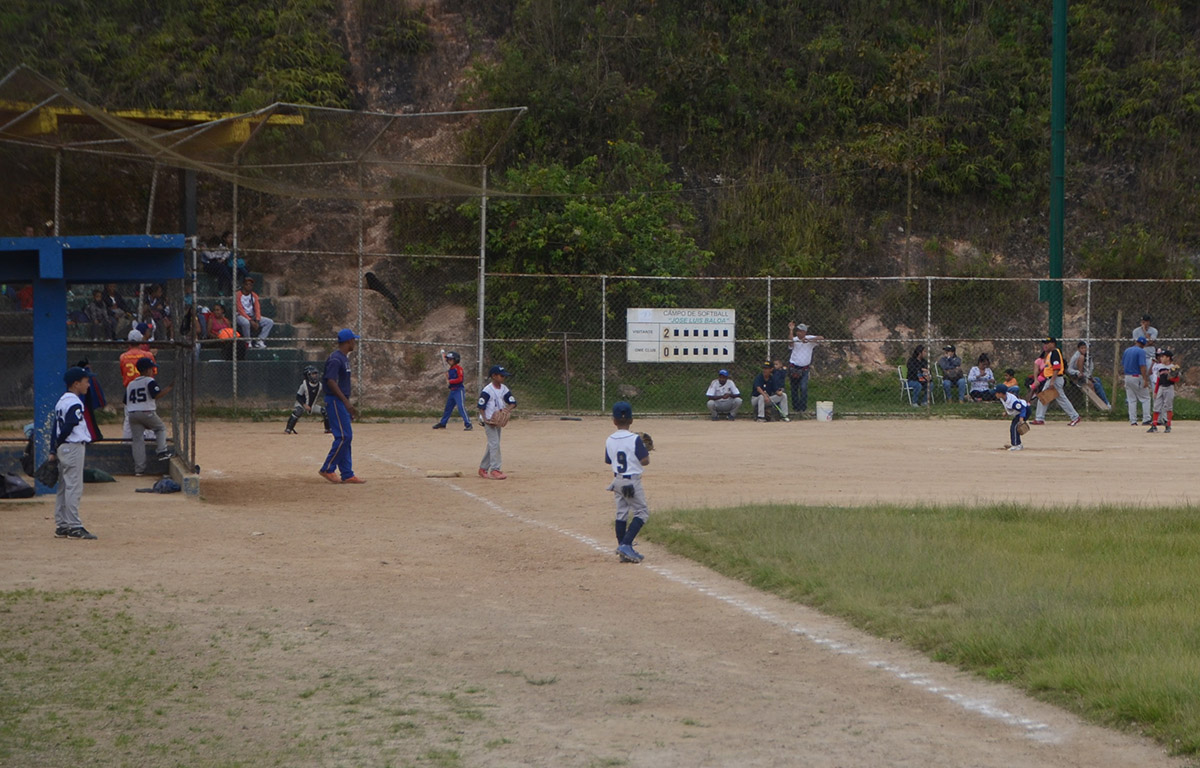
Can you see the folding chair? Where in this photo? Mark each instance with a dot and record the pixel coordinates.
(905, 392)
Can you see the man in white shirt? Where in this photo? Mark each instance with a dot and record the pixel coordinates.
(801, 345)
(1150, 334)
(724, 399)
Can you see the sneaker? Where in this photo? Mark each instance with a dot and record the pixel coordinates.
(467, 427)
(330, 476)
(289, 431)
(354, 480)
(716, 418)
(138, 474)
(483, 473)
(1167, 428)
(1147, 423)
(1037, 422)
(79, 533)
(1133, 423)
(496, 474)
(261, 344)
(731, 417)
(439, 425)
(1153, 429)
(785, 418)
(61, 533)
(1016, 447)
(1075, 421)
(629, 554)
(164, 455)
(759, 418)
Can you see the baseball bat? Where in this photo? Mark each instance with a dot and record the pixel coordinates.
(775, 405)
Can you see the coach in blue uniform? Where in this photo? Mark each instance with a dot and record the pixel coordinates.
(337, 405)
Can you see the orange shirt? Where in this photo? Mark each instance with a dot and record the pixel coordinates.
(129, 359)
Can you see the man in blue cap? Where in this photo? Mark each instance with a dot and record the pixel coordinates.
(340, 411)
(724, 399)
(1137, 381)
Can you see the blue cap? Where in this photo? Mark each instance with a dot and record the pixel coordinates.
(1141, 339)
(346, 334)
(73, 375)
(1001, 389)
(622, 411)
(500, 369)
(722, 372)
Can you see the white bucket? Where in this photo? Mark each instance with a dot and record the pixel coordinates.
(824, 410)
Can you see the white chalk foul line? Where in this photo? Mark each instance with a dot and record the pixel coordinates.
(1033, 729)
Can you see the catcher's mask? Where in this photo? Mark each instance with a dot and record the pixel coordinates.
(312, 374)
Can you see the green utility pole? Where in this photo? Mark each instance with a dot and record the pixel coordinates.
(1058, 118)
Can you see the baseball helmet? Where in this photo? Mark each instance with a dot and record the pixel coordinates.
(454, 357)
(311, 372)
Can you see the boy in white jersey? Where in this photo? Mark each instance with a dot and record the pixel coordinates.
(68, 445)
(494, 398)
(141, 405)
(1018, 409)
(628, 456)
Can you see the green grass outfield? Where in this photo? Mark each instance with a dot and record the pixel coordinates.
(1092, 609)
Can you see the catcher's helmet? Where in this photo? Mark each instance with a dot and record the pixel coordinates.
(311, 372)
(454, 357)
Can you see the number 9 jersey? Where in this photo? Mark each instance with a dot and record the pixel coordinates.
(625, 451)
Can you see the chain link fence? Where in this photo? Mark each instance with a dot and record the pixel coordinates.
(564, 336)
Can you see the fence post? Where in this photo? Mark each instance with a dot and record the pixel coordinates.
(603, 341)
(768, 357)
(929, 335)
(233, 283)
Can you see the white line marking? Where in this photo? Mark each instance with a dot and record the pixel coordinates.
(1033, 729)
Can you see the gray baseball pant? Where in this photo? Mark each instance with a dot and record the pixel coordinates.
(139, 422)
(70, 485)
(726, 406)
(1063, 402)
(491, 457)
(1136, 392)
(635, 504)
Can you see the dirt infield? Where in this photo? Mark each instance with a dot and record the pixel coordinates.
(421, 594)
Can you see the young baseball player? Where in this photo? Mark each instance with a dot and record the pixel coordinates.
(454, 379)
(341, 411)
(628, 456)
(494, 398)
(308, 396)
(1165, 376)
(141, 406)
(1018, 409)
(68, 445)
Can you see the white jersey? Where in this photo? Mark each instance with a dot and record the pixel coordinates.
(492, 399)
(717, 389)
(141, 394)
(1012, 403)
(624, 450)
(69, 423)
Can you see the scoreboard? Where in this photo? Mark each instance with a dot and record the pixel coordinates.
(679, 335)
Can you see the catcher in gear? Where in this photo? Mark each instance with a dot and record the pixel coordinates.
(308, 396)
(496, 403)
(628, 453)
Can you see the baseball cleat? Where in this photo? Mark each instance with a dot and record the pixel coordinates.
(79, 533)
(1167, 428)
(1075, 421)
(1152, 429)
(496, 474)
(330, 476)
(354, 480)
(1016, 448)
(483, 473)
(1037, 423)
(467, 428)
(439, 425)
(289, 431)
(628, 554)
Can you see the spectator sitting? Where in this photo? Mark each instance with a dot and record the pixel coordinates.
(160, 311)
(724, 399)
(1080, 370)
(982, 380)
(769, 387)
(122, 316)
(217, 322)
(950, 364)
(24, 297)
(1010, 381)
(103, 326)
(918, 375)
(250, 320)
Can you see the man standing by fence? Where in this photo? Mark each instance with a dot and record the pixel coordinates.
(802, 345)
(1137, 378)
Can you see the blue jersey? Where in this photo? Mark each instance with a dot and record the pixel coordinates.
(337, 369)
(1133, 360)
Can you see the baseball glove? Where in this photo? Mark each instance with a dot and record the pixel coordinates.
(47, 474)
(628, 491)
(1023, 428)
(648, 441)
(501, 417)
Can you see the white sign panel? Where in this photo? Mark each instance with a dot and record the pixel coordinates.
(679, 335)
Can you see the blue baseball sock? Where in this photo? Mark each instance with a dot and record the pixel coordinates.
(620, 531)
(632, 532)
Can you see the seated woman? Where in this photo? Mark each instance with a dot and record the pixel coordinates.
(982, 381)
(918, 375)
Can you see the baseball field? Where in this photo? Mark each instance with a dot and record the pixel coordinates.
(421, 621)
